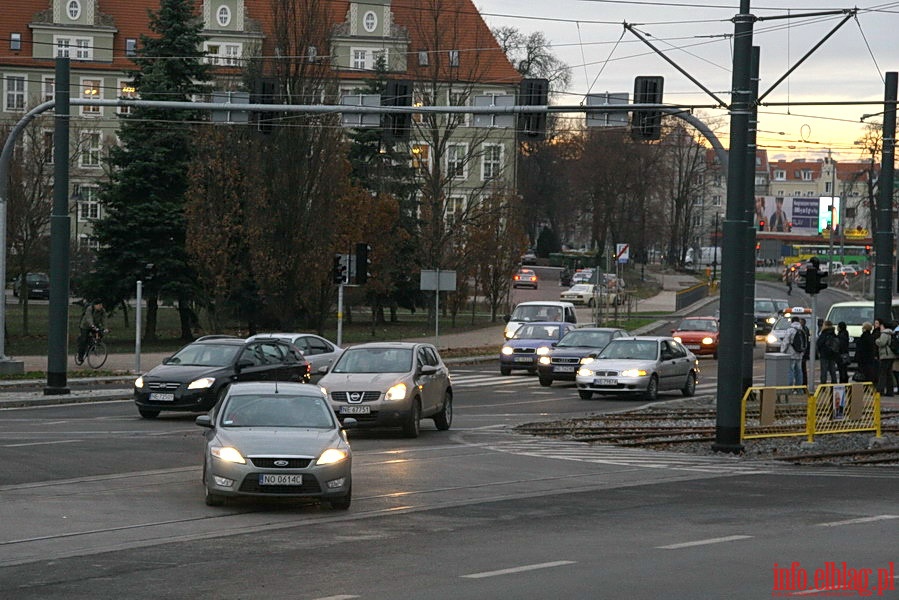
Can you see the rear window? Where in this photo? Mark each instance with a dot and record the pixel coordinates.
(855, 315)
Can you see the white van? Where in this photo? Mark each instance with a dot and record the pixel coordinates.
(855, 313)
(539, 310)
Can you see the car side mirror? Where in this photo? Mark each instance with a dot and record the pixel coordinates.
(323, 369)
(428, 369)
(507, 318)
(349, 423)
(204, 421)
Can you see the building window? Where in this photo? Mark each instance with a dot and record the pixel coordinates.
(454, 58)
(780, 175)
(421, 157)
(127, 91)
(491, 161)
(15, 92)
(806, 175)
(312, 54)
(89, 206)
(90, 90)
(232, 55)
(48, 88)
(455, 161)
(84, 49)
(370, 21)
(90, 149)
(423, 58)
(48, 142)
(130, 47)
(224, 16)
(458, 99)
(359, 59)
(827, 188)
(73, 8)
(455, 206)
(15, 41)
(716, 200)
(223, 54)
(62, 47)
(417, 100)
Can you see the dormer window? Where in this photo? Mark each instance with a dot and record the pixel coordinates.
(73, 8)
(454, 58)
(422, 58)
(370, 21)
(15, 41)
(224, 16)
(312, 54)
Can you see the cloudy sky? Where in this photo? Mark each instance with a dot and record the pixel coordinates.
(589, 36)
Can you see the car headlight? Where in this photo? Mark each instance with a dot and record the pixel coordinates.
(678, 339)
(396, 392)
(544, 360)
(331, 456)
(771, 339)
(139, 382)
(633, 373)
(585, 372)
(586, 359)
(507, 350)
(542, 351)
(707, 341)
(228, 454)
(201, 384)
(770, 320)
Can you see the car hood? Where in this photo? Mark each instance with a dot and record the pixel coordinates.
(529, 343)
(620, 364)
(694, 335)
(293, 441)
(578, 351)
(361, 381)
(182, 373)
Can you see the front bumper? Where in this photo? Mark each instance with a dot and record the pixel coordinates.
(613, 385)
(518, 361)
(183, 400)
(317, 481)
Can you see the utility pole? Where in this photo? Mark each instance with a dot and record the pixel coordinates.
(883, 236)
(748, 185)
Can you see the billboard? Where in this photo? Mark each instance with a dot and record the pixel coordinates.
(802, 215)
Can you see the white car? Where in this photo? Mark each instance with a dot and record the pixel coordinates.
(318, 352)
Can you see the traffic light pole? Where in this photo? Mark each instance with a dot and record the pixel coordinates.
(340, 314)
(883, 234)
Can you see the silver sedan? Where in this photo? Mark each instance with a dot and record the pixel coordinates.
(642, 365)
(320, 353)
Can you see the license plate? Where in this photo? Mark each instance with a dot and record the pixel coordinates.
(355, 410)
(275, 479)
(564, 369)
(161, 397)
(692, 346)
(605, 382)
(523, 359)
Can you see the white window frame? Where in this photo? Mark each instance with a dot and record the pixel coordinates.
(455, 99)
(89, 205)
(424, 58)
(127, 91)
(73, 9)
(359, 58)
(14, 86)
(91, 144)
(87, 94)
(453, 58)
(780, 175)
(806, 175)
(454, 206)
(231, 54)
(716, 200)
(63, 44)
(15, 41)
(456, 161)
(223, 16)
(363, 59)
(370, 21)
(130, 47)
(490, 163)
(48, 87)
(84, 49)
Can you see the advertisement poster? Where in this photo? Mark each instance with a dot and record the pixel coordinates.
(839, 402)
(786, 214)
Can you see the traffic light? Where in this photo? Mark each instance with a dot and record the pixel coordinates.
(647, 124)
(396, 126)
(533, 92)
(339, 273)
(868, 250)
(363, 262)
(762, 225)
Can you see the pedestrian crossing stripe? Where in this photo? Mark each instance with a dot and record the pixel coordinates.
(482, 379)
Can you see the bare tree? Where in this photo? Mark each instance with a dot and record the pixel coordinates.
(532, 56)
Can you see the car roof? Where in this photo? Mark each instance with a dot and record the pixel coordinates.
(544, 303)
(390, 345)
(291, 387)
(231, 341)
(703, 318)
(646, 337)
(598, 328)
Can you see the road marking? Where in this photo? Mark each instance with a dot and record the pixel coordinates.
(859, 520)
(341, 597)
(41, 443)
(729, 538)
(558, 563)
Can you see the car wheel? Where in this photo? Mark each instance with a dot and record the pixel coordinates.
(585, 394)
(444, 419)
(532, 371)
(412, 426)
(546, 381)
(689, 388)
(652, 389)
(590, 303)
(342, 502)
(213, 499)
(505, 370)
(148, 413)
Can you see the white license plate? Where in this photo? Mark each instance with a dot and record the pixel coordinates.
(605, 382)
(161, 397)
(523, 359)
(564, 369)
(275, 479)
(692, 346)
(355, 410)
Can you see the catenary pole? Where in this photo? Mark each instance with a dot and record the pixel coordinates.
(748, 185)
(883, 236)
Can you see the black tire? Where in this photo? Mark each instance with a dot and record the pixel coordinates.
(148, 413)
(590, 303)
(585, 394)
(342, 502)
(96, 355)
(412, 426)
(444, 419)
(546, 381)
(689, 388)
(505, 370)
(212, 499)
(532, 371)
(652, 390)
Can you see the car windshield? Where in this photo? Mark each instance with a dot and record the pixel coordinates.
(537, 312)
(582, 288)
(536, 332)
(205, 355)
(781, 304)
(375, 360)
(37, 278)
(765, 306)
(781, 323)
(631, 349)
(697, 325)
(277, 410)
(855, 315)
(588, 339)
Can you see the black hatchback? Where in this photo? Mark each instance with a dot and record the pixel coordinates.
(198, 375)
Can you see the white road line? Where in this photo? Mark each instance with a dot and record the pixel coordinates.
(42, 443)
(341, 597)
(558, 563)
(729, 538)
(859, 520)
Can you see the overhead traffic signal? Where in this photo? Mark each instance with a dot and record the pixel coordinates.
(339, 270)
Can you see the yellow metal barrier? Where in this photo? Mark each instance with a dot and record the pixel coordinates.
(790, 411)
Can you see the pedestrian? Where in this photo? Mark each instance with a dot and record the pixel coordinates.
(885, 358)
(843, 364)
(865, 354)
(828, 349)
(795, 344)
(808, 349)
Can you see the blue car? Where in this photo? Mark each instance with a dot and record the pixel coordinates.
(531, 341)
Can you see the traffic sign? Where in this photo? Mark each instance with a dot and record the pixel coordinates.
(622, 252)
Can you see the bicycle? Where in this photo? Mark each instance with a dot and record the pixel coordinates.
(95, 353)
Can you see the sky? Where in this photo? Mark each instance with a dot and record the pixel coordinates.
(850, 65)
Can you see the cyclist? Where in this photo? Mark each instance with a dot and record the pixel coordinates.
(93, 321)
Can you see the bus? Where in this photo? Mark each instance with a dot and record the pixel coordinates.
(851, 254)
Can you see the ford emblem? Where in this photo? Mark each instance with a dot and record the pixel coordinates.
(355, 397)
(281, 463)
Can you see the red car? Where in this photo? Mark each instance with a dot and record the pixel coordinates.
(698, 334)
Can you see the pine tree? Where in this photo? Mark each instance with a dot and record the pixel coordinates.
(143, 202)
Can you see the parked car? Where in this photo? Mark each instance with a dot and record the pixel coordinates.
(524, 278)
(582, 276)
(575, 348)
(37, 284)
(531, 341)
(391, 384)
(538, 310)
(529, 258)
(643, 366)
(276, 440)
(588, 294)
(319, 352)
(198, 375)
(698, 334)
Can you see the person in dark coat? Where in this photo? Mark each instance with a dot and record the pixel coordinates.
(808, 350)
(885, 357)
(843, 361)
(865, 354)
(828, 350)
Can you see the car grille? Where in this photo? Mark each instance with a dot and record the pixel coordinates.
(251, 485)
(565, 360)
(349, 397)
(268, 462)
(163, 385)
(605, 373)
(524, 350)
